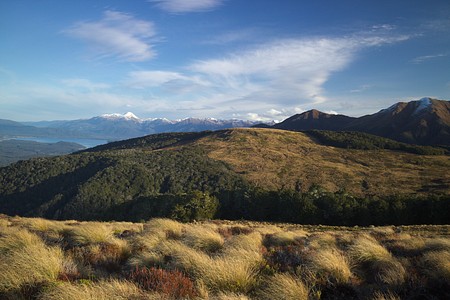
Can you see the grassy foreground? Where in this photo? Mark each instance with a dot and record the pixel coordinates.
(164, 259)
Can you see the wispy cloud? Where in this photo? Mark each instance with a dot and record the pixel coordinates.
(185, 6)
(361, 88)
(117, 34)
(425, 58)
(269, 81)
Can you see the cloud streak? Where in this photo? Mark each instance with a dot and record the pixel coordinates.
(186, 6)
(118, 35)
(269, 81)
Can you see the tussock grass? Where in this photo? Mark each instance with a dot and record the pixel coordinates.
(381, 266)
(203, 238)
(331, 264)
(171, 228)
(322, 240)
(223, 260)
(27, 260)
(367, 249)
(436, 265)
(283, 287)
(102, 290)
(228, 296)
(385, 296)
(85, 233)
(236, 273)
(284, 238)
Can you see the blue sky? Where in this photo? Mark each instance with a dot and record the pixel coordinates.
(245, 59)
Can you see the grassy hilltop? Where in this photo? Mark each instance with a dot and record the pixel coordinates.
(164, 259)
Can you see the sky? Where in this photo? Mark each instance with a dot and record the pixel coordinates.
(245, 59)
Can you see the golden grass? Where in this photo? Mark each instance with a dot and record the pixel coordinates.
(331, 264)
(27, 260)
(436, 265)
(224, 259)
(283, 287)
(203, 238)
(383, 267)
(285, 237)
(85, 233)
(102, 290)
(221, 273)
(276, 158)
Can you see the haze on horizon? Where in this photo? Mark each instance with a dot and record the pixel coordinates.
(253, 59)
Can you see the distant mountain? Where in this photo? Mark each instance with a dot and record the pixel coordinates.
(314, 119)
(118, 126)
(424, 122)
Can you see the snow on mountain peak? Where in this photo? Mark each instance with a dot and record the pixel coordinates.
(422, 104)
(130, 115)
(127, 116)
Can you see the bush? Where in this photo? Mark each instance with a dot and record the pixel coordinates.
(172, 283)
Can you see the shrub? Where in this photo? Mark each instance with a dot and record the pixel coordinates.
(169, 282)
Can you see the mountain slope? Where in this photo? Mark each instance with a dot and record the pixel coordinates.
(423, 122)
(95, 183)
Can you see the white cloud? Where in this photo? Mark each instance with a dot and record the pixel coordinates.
(185, 6)
(117, 35)
(425, 58)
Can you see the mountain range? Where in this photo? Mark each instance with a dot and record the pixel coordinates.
(119, 127)
(424, 122)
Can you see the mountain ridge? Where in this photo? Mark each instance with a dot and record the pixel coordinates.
(424, 122)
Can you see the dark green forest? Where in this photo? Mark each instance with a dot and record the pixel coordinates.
(365, 141)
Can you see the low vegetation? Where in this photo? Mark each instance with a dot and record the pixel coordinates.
(166, 259)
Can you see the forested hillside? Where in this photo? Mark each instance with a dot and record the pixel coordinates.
(260, 174)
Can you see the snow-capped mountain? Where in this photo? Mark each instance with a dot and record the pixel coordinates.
(122, 126)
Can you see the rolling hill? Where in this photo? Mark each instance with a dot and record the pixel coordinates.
(109, 181)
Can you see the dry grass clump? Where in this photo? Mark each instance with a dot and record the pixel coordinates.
(284, 238)
(102, 290)
(39, 224)
(233, 271)
(228, 296)
(437, 244)
(385, 296)
(27, 260)
(321, 240)
(381, 266)
(331, 264)
(382, 231)
(171, 228)
(203, 238)
(283, 287)
(85, 233)
(436, 265)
